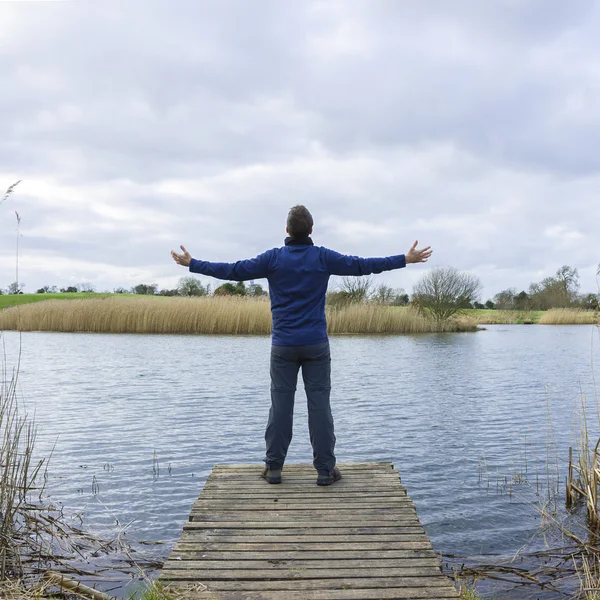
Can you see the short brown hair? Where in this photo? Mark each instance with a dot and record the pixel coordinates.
(299, 222)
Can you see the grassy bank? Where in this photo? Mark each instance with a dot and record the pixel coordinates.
(555, 316)
(503, 317)
(208, 315)
(8, 300)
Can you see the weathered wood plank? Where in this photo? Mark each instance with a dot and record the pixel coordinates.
(309, 565)
(204, 575)
(299, 501)
(306, 492)
(303, 466)
(306, 480)
(385, 514)
(316, 584)
(193, 530)
(318, 524)
(237, 543)
(438, 593)
(324, 534)
(278, 554)
(383, 480)
(297, 505)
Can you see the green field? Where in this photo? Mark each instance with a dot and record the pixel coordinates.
(7, 300)
(485, 316)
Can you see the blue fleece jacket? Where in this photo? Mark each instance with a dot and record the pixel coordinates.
(298, 274)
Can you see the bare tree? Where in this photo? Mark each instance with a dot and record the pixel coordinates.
(86, 287)
(559, 291)
(505, 300)
(148, 289)
(383, 294)
(445, 290)
(388, 296)
(357, 289)
(15, 287)
(190, 286)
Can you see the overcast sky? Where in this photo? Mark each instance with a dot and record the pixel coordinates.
(138, 126)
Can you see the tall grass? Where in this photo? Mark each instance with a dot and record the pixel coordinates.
(212, 315)
(568, 316)
(18, 473)
(371, 319)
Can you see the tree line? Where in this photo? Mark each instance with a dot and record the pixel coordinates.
(442, 290)
(559, 291)
(186, 286)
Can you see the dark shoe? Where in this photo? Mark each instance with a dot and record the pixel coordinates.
(271, 476)
(336, 475)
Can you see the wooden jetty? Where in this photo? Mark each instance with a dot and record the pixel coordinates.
(357, 539)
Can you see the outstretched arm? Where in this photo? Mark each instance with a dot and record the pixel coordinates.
(341, 264)
(242, 270)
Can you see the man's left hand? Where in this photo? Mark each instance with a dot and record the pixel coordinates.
(418, 256)
(182, 259)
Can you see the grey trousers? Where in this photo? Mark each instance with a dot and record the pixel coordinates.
(315, 361)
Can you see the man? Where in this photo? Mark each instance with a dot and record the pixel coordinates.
(298, 274)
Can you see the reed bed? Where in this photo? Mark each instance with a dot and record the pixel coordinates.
(206, 316)
(18, 474)
(568, 316)
(373, 319)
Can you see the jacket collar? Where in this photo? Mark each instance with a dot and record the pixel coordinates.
(307, 241)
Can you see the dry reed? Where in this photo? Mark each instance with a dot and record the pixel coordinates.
(372, 319)
(205, 315)
(568, 316)
(18, 473)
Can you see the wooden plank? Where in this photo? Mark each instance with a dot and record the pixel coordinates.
(318, 524)
(316, 584)
(308, 479)
(196, 531)
(382, 466)
(271, 500)
(303, 564)
(201, 574)
(282, 491)
(382, 514)
(191, 531)
(302, 486)
(299, 505)
(278, 554)
(257, 471)
(438, 593)
(241, 546)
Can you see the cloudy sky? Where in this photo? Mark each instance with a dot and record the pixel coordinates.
(137, 126)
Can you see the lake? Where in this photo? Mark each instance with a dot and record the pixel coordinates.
(138, 421)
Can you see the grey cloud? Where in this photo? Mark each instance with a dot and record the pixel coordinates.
(390, 120)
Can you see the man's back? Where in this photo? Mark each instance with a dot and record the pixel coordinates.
(298, 281)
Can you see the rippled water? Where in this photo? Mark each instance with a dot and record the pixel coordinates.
(456, 413)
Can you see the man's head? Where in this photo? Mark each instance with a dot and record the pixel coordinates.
(299, 222)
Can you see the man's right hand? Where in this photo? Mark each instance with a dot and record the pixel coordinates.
(182, 259)
(418, 256)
